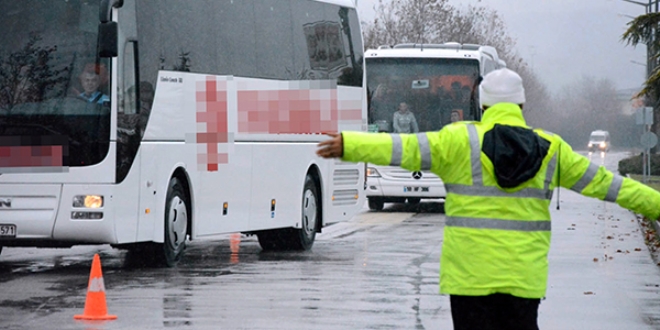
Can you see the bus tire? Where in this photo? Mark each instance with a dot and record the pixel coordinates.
(376, 204)
(176, 223)
(311, 215)
(272, 240)
(294, 238)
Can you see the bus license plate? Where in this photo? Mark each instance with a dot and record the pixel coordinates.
(415, 189)
(7, 230)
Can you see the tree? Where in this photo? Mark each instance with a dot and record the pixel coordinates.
(408, 21)
(27, 75)
(644, 29)
(436, 21)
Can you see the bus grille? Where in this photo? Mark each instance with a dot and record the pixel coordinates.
(346, 177)
(404, 174)
(345, 197)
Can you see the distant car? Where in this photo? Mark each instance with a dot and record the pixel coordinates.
(599, 141)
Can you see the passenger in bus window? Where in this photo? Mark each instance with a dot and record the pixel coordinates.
(466, 93)
(404, 121)
(91, 80)
(441, 105)
(383, 97)
(382, 103)
(456, 115)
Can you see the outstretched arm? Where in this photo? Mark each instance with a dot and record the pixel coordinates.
(410, 151)
(332, 148)
(587, 178)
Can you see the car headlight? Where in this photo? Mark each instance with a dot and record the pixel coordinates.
(590, 145)
(372, 172)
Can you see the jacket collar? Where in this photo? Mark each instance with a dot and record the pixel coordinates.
(504, 113)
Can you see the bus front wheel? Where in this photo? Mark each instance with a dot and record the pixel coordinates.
(376, 204)
(310, 215)
(176, 223)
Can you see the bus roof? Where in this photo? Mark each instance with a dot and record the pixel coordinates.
(446, 50)
(343, 3)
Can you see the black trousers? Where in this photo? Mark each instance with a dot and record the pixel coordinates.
(494, 312)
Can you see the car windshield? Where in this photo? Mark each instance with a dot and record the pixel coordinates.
(54, 92)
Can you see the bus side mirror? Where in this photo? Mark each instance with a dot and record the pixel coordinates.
(108, 39)
(105, 9)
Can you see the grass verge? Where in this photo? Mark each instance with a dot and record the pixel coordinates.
(650, 229)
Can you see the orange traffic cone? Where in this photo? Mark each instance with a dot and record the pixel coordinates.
(95, 307)
(234, 245)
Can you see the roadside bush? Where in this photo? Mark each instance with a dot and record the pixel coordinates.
(633, 165)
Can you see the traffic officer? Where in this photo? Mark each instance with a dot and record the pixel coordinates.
(499, 175)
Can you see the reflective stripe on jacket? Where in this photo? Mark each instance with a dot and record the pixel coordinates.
(496, 240)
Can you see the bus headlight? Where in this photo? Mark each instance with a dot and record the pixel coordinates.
(372, 172)
(603, 144)
(88, 201)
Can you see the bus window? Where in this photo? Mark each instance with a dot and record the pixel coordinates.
(432, 88)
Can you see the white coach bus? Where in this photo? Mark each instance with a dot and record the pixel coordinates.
(149, 123)
(439, 85)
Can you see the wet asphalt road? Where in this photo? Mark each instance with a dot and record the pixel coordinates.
(378, 271)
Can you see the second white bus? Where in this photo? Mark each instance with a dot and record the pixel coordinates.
(439, 85)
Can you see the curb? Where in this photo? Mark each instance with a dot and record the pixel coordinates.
(656, 227)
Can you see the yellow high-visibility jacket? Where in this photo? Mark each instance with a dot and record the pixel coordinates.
(497, 234)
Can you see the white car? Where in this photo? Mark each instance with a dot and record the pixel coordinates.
(599, 141)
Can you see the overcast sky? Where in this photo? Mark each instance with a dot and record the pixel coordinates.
(566, 39)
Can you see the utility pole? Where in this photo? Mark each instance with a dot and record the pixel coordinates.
(649, 138)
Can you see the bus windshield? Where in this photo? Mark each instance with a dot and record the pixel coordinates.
(408, 95)
(54, 92)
